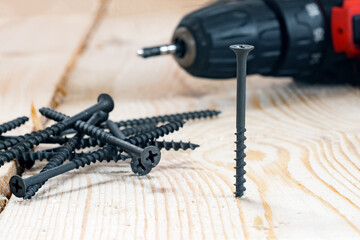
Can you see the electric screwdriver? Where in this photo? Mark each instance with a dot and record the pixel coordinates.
(309, 40)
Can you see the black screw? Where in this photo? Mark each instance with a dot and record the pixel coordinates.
(138, 129)
(169, 118)
(156, 132)
(40, 155)
(47, 155)
(105, 103)
(160, 144)
(12, 124)
(9, 141)
(143, 138)
(147, 155)
(114, 129)
(19, 186)
(64, 152)
(173, 145)
(92, 142)
(136, 165)
(241, 52)
(161, 119)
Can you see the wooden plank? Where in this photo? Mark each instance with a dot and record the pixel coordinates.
(302, 156)
(32, 61)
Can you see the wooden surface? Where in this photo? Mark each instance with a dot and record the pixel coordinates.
(303, 159)
(38, 43)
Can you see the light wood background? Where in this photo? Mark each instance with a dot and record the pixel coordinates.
(303, 157)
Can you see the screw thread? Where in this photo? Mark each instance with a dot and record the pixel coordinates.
(12, 124)
(47, 155)
(58, 159)
(9, 142)
(169, 118)
(64, 152)
(89, 142)
(107, 153)
(12, 141)
(240, 163)
(137, 129)
(156, 133)
(53, 115)
(92, 142)
(173, 145)
(57, 116)
(91, 130)
(31, 140)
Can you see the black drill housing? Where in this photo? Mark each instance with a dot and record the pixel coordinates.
(292, 39)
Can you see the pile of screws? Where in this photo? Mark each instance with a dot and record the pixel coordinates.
(131, 139)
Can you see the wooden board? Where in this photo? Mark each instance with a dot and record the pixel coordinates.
(303, 162)
(33, 62)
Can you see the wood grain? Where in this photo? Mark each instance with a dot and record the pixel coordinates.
(303, 179)
(32, 61)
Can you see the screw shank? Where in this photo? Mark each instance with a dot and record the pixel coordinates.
(124, 145)
(105, 103)
(53, 172)
(114, 129)
(241, 52)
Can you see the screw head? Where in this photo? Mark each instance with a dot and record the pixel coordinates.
(101, 116)
(26, 163)
(139, 168)
(242, 46)
(150, 156)
(241, 49)
(17, 186)
(107, 100)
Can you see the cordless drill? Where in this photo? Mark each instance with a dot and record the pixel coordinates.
(309, 40)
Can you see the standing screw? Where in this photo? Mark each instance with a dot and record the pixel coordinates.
(105, 103)
(12, 124)
(147, 155)
(19, 186)
(241, 52)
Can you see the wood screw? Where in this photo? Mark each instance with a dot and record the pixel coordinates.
(64, 152)
(105, 103)
(241, 52)
(146, 155)
(20, 186)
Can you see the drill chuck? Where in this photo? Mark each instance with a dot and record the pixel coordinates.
(292, 39)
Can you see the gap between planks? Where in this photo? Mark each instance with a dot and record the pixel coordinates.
(57, 96)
